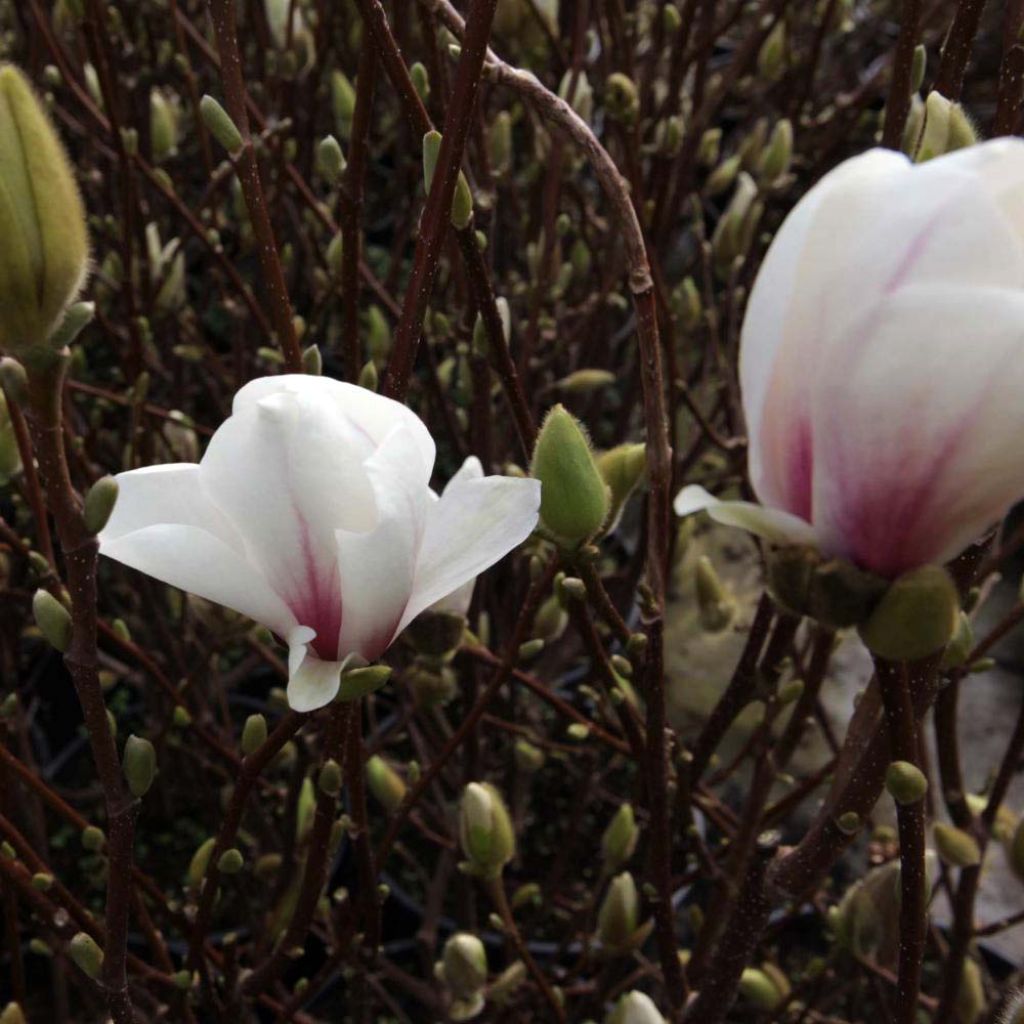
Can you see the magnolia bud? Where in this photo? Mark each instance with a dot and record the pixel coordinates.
(916, 616)
(528, 757)
(330, 778)
(485, 830)
(622, 101)
(777, 156)
(960, 645)
(635, 1008)
(358, 682)
(464, 964)
(93, 838)
(13, 379)
(619, 915)
(139, 764)
(420, 80)
(622, 468)
(772, 55)
(254, 734)
(99, 504)
(499, 144)
(86, 954)
(368, 377)
(970, 999)
(956, 847)
(946, 128)
(620, 838)
(574, 500)
(163, 125)
(230, 862)
(11, 1014)
(582, 382)
(43, 260)
(330, 160)
(462, 201)
(761, 989)
(582, 98)
(76, 318)
(343, 102)
(219, 124)
(717, 607)
(385, 783)
(905, 782)
(53, 620)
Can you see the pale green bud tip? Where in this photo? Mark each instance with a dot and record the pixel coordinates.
(53, 619)
(93, 838)
(11, 1014)
(528, 757)
(220, 125)
(42, 220)
(635, 1008)
(230, 862)
(618, 916)
(330, 777)
(77, 317)
(760, 989)
(485, 830)
(420, 80)
(385, 783)
(575, 500)
(622, 98)
(86, 954)
(359, 682)
(13, 379)
(431, 147)
(312, 361)
(905, 782)
(716, 606)
(955, 846)
(254, 734)
(462, 203)
(915, 617)
(917, 67)
(849, 823)
(620, 837)
(139, 764)
(464, 964)
(330, 158)
(99, 504)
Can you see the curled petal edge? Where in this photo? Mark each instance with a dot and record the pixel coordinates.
(771, 524)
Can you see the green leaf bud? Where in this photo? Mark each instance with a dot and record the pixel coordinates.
(463, 965)
(254, 734)
(956, 847)
(93, 838)
(905, 782)
(330, 160)
(220, 125)
(139, 764)
(86, 954)
(622, 101)
(635, 1008)
(200, 859)
(619, 838)
(230, 862)
(385, 783)
(529, 758)
(485, 830)
(618, 917)
(99, 504)
(53, 619)
(330, 778)
(358, 682)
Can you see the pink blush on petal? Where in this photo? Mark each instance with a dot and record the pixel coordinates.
(315, 597)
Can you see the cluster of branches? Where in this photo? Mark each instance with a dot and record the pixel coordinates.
(601, 143)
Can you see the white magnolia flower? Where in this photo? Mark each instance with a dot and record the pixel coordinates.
(882, 361)
(311, 513)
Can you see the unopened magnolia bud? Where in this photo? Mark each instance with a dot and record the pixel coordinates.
(499, 143)
(582, 382)
(777, 156)
(946, 128)
(368, 377)
(970, 1000)
(622, 101)
(200, 859)
(230, 862)
(955, 846)
(716, 605)
(267, 865)
(312, 361)
(619, 838)
(462, 203)
(960, 645)
(635, 1008)
(574, 500)
(915, 617)
(219, 124)
(93, 838)
(163, 125)
(531, 648)
(420, 80)
(343, 102)
(760, 989)
(99, 504)
(687, 304)
(53, 620)
(330, 778)
(385, 783)
(485, 830)
(618, 918)
(528, 757)
(11, 1014)
(254, 734)
(464, 964)
(13, 379)
(43, 881)
(86, 954)
(905, 782)
(358, 682)
(918, 67)
(722, 177)
(45, 251)
(849, 823)
(622, 469)
(330, 159)
(76, 318)
(771, 58)
(139, 764)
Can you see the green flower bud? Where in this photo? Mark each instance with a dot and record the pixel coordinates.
(343, 102)
(618, 918)
(960, 645)
(181, 716)
(254, 734)
(635, 1008)
(710, 147)
(619, 838)
(86, 954)
(918, 67)
(139, 764)
(330, 778)
(529, 758)
(378, 333)
(163, 125)
(761, 990)
(671, 19)
(462, 201)
(45, 252)
(582, 382)
(330, 160)
(956, 847)
(717, 607)
(42, 881)
(305, 808)
(574, 499)
(463, 965)
(916, 616)
(771, 58)
(722, 177)
(11, 1014)
(219, 124)
(358, 682)
(267, 865)
(946, 128)
(905, 782)
(93, 838)
(99, 504)
(53, 619)
(198, 864)
(485, 830)
(420, 80)
(385, 783)
(499, 144)
(368, 377)
(687, 304)
(622, 101)
(230, 862)
(76, 318)
(970, 1000)
(849, 823)
(312, 361)
(531, 648)
(777, 156)
(13, 379)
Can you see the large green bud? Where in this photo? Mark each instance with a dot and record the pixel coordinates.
(574, 498)
(485, 830)
(45, 250)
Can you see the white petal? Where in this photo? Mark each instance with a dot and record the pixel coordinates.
(312, 683)
(194, 560)
(774, 525)
(374, 415)
(377, 568)
(475, 523)
(918, 426)
(458, 601)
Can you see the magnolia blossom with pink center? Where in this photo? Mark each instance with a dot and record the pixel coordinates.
(311, 512)
(882, 362)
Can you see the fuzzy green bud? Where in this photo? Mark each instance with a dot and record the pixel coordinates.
(905, 782)
(53, 619)
(917, 67)
(529, 758)
(619, 915)
(574, 499)
(86, 954)
(759, 989)
(99, 504)
(330, 778)
(722, 177)
(420, 80)
(230, 862)
(139, 764)
(771, 58)
(254, 734)
(76, 318)
(955, 846)
(619, 838)
(464, 964)
(11, 1014)
(330, 160)
(358, 682)
(485, 830)
(93, 838)
(960, 645)
(45, 252)
(499, 144)
(622, 101)
(462, 201)
(368, 376)
(343, 102)
(220, 125)
(946, 128)
(635, 1008)
(970, 1000)
(915, 617)
(385, 783)
(779, 152)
